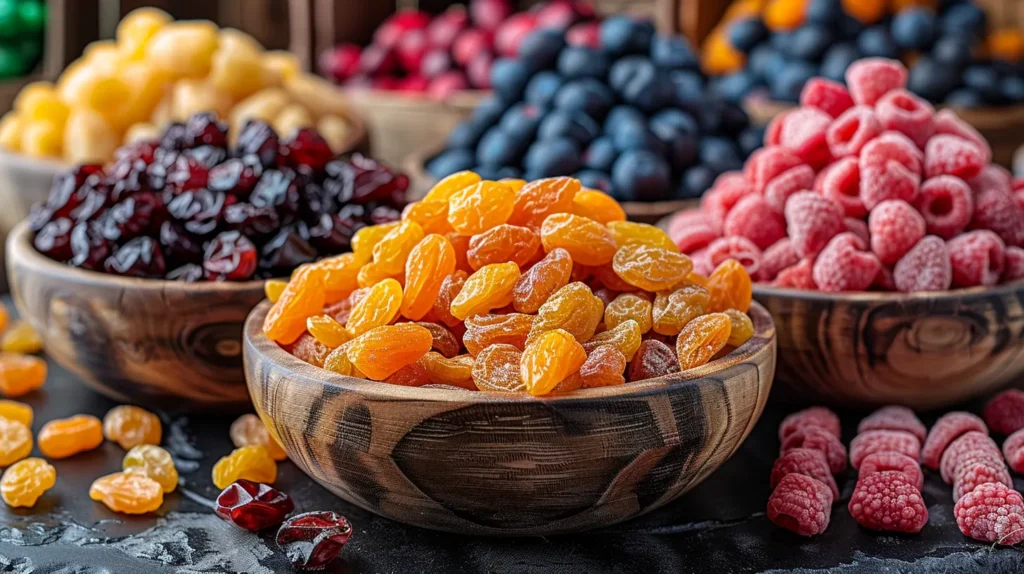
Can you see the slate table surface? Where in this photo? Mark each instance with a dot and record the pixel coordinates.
(720, 526)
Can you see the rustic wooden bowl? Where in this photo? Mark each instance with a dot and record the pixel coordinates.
(500, 464)
(922, 350)
(24, 181)
(167, 344)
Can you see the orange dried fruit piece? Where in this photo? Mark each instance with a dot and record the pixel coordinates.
(130, 426)
(866, 11)
(341, 277)
(490, 287)
(625, 337)
(391, 252)
(308, 349)
(16, 411)
(718, 56)
(380, 352)
(572, 308)
(542, 280)
(429, 263)
(730, 287)
(21, 337)
(597, 205)
(444, 189)
(785, 15)
(480, 207)
(483, 331)
(248, 462)
(605, 367)
(451, 286)
(61, 438)
(651, 268)
(411, 375)
(701, 339)
(5, 317)
(26, 480)
(503, 243)
(552, 357)
(587, 241)
(674, 309)
(379, 307)
(538, 199)
(371, 274)
(249, 430)
(444, 341)
(496, 368)
(366, 238)
(606, 276)
(127, 492)
(154, 462)
(302, 298)
(652, 360)
(431, 215)
(273, 289)
(629, 306)
(20, 374)
(15, 441)
(742, 327)
(327, 331)
(460, 243)
(456, 371)
(632, 233)
(337, 362)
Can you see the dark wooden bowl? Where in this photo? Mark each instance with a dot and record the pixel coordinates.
(167, 344)
(922, 350)
(501, 464)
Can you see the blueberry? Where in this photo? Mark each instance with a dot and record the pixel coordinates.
(734, 120)
(582, 62)
(750, 140)
(953, 51)
(574, 125)
(790, 82)
(745, 33)
(600, 155)
(735, 87)
(849, 27)
(497, 149)
(594, 179)
(671, 52)
(782, 42)
(966, 19)
(541, 48)
(541, 89)
(551, 158)
(623, 70)
(636, 136)
(486, 172)
(1012, 89)
(984, 80)
(488, 112)
(827, 12)
(695, 182)
(914, 29)
(766, 62)
(640, 175)
(449, 162)
(682, 152)
(521, 121)
(876, 42)
(621, 114)
(810, 42)
(643, 85)
(509, 78)
(508, 172)
(965, 98)
(710, 116)
(668, 124)
(689, 86)
(837, 59)
(622, 35)
(720, 154)
(931, 80)
(586, 94)
(465, 135)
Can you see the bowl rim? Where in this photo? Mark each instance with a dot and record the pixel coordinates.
(762, 290)
(51, 164)
(256, 346)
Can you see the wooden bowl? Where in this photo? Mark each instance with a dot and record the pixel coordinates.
(168, 344)
(501, 464)
(24, 181)
(922, 350)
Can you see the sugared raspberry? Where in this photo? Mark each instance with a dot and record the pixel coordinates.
(691, 231)
(947, 205)
(894, 417)
(805, 461)
(992, 176)
(1013, 450)
(768, 163)
(888, 500)
(739, 248)
(895, 227)
(946, 430)
(803, 133)
(902, 111)
(1004, 413)
(727, 191)
(947, 122)
(952, 155)
(811, 416)
(784, 185)
(799, 276)
(991, 513)
(969, 443)
(818, 439)
(970, 476)
(999, 212)
(812, 221)
(701, 262)
(871, 78)
(926, 267)
(890, 168)
(841, 183)
(977, 258)
(1013, 264)
(801, 504)
(858, 227)
(752, 217)
(870, 442)
(776, 258)
(830, 97)
(889, 460)
(851, 131)
(844, 265)
(773, 133)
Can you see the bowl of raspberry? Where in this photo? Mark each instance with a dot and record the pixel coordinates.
(139, 274)
(884, 242)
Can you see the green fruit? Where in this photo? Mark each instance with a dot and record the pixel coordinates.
(33, 17)
(9, 21)
(12, 65)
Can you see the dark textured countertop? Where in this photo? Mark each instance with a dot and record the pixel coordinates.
(720, 526)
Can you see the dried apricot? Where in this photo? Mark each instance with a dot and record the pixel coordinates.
(131, 426)
(597, 205)
(451, 286)
(302, 298)
(15, 441)
(341, 276)
(366, 238)
(632, 233)
(444, 189)
(572, 308)
(379, 307)
(553, 356)
(20, 374)
(480, 207)
(588, 242)
(503, 243)
(628, 306)
(127, 492)
(603, 368)
(514, 183)
(21, 337)
(249, 430)
(61, 438)
(26, 480)
(542, 280)
(730, 287)
(460, 243)
(496, 368)
(154, 462)
(482, 331)
(429, 263)
(701, 339)
(444, 341)
(673, 310)
(653, 359)
(273, 289)
(16, 411)
(372, 274)
(742, 327)
(381, 351)
(248, 462)
(308, 349)
(411, 375)
(539, 199)
(327, 331)
(337, 362)
(605, 276)
(488, 288)
(456, 371)
(651, 268)
(625, 337)
(390, 253)
(431, 215)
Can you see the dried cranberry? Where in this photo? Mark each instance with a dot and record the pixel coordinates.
(252, 505)
(207, 155)
(89, 249)
(175, 137)
(199, 209)
(231, 257)
(54, 239)
(205, 129)
(236, 176)
(143, 150)
(140, 257)
(189, 273)
(313, 539)
(126, 178)
(307, 148)
(187, 173)
(139, 213)
(251, 220)
(178, 245)
(276, 189)
(315, 201)
(69, 190)
(286, 251)
(332, 234)
(258, 138)
(38, 216)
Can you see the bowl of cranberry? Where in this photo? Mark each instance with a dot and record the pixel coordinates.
(139, 274)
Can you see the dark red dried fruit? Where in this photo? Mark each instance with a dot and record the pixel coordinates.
(230, 257)
(313, 539)
(307, 148)
(259, 139)
(189, 273)
(140, 257)
(206, 129)
(253, 506)
(54, 239)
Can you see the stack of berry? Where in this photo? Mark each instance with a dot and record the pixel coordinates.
(866, 188)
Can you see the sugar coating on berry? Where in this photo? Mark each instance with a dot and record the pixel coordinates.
(999, 212)
(851, 131)
(1013, 264)
(819, 439)
(812, 221)
(888, 500)
(803, 133)
(970, 476)
(901, 111)
(701, 262)
(895, 227)
(969, 443)
(736, 247)
(1013, 450)
(926, 267)
(800, 504)
(841, 183)
(888, 460)
(991, 512)
(728, 189)
(858, 227)
(890, 168)
(778, 191)
(977, 258)
(828, 96)
(1004, 413)
(694, 238)
(776, 258)
(947, 205)
(844, 265)
(893, 146)
(812, 416)
(946, 430)
(946, 154)
(894, 417)
(767, 163)
(805, 461)
(799, 276)
(869, 442)
(992, 177)
(871, 78)
(947, 122)
(753, 218)
(773, 133)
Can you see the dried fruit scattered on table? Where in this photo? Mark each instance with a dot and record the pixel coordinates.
(154, 462)
(869, 442)
(945, 431)
(61, 438)
(1004, 413)
(991, 512)
(20, 374)
(249, 462)
(131, 426)
(820, 417)
(253, 506)
(971, 446)
(15, 441)
(16, 411)
(21, 337)
(249, 430)
(313, 539)
(26, 480)
(888, 501)
(805, 461)
(888, 460)
(127, 492)
(820, 439)
(801, 504)
(894, 417)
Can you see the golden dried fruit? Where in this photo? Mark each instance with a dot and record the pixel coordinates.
(701, 339)
(588, 242)
(548, 360)
(651, 268)
(488, 288)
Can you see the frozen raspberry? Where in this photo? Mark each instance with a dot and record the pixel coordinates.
(947, 122)
(902, 111)
(811, 416)
(701, 262)
(1013, 264)
(693, 238)
(889, 460)
(947, 204)
(871, 78)
(895, 227)
(1013, 450)
(999, 212)
(752, 217)
(844, 265)
(830, 97)
(728, 190)
(946, 430)
(893, 146)
(803, 133)
(977, 258)
(992, 176)
(783, 186)
(841, 183)
(801, 504)
(739, 248)
(799, 276)
(972, 475)
(890, 168)
(967, 461)
(773, 133)
(926, 267)
(768, 163)
(1004, 413)
(805, 461)
(851, 131)
(811, 221)
(873, 441)
(952, 155)
(776, 258)
(819, 439)
(969, 443)
(857, 227)
(888, 500)
(991, 512)
(894, 417)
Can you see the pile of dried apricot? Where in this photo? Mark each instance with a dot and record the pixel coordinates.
(542, 287)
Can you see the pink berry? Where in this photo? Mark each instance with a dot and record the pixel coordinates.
(946, 430)
(776, 258)
(991, 512)
(737, 247)
(830, 97)
(890, 168)
(947, 122)
(1004, 413)
(977, 258)
(773, 133)
(811, 221)
(992, 176)
(972, 475)
(873, 441)
(511, 32)
(1013, 450)
(752, 217)
(999, 212)
(947, 205)
(902, 111)
(471, 43)
(701, 262)
(841, 183)
(895, 227)
(727, 191)
(844, 265)
(799, 276)
(894, 417)
(586, 34)
(767, 163)
(778, 191)
(884, 281)
(800, 504)
(851, 131)
(967, 444)
(887, 500)
(819, 439)
(803, 133)
(952, 155)
(871, 78)
(926, 267)
(811, 416)
(490, 14)
(1013, 266)
(857, 227)
(888, 460)
(805, 461)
